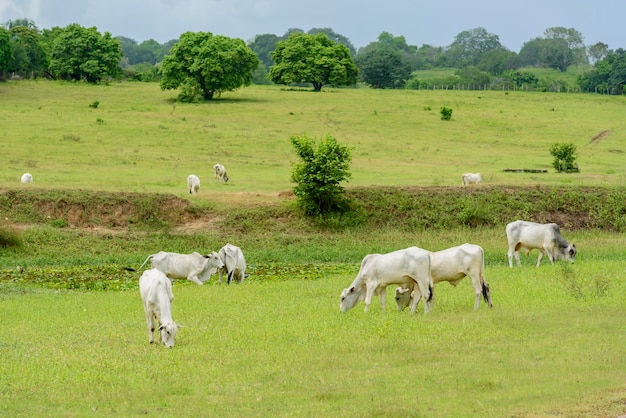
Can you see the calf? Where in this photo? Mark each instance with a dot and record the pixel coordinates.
(220, 173)
(546, 238)
(194, 267)
(403, 267)
(452, 265)
(234, 264)
(157, 296)
(193, 184)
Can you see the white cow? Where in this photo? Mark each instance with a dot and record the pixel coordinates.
(234, 264)
(220, 173)
(403, 267)
(471, 178)
(193, 184)
(26, 178)
(157, 296)
(452, 265)
(194, 267)
(546, 238)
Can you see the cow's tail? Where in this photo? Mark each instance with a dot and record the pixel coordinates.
(147, 259)
(430, 292)
(485, 286)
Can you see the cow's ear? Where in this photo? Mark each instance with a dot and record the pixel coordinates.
(180, 326)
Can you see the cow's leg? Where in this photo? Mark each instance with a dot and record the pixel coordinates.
(539, 258)
(382, 293)
(478, 289)
(194, 278)
(369, 293)
(416, 295)
(150, 322)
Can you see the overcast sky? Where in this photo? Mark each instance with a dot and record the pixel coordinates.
(420, 22)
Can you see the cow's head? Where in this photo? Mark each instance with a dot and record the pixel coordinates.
(568, 253)
(214, 262)
(403, 297)
(350, 297)
(168, 333)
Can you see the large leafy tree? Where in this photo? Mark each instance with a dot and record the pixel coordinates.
(335, 37)
(387, 63)
(470, 46)
(305, 58)
(29, 53)
(263, 45)
(79, 53)
(205, 65)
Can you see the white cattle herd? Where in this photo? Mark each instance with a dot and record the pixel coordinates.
(155, 284)
(415, 271)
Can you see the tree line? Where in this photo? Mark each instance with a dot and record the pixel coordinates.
(318, 57)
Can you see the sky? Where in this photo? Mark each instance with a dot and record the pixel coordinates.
(429, 22)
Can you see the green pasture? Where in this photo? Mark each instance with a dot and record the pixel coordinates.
(73, 335)
(139, 139)
(277, 345)
(552, 345)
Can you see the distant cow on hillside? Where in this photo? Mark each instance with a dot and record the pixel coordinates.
(471, 178)
(193, 184)
(26, 178)
(220, 173)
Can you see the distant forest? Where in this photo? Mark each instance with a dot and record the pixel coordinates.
(474, 60)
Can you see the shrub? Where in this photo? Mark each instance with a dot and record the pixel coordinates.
(564, 157)
(319, 174)
(446, 113)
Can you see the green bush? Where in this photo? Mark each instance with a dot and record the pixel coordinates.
(564, 157)
(446, 113)
(319, 174)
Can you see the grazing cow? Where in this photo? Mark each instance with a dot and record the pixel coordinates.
(234, 264)
(546, 238)
(403, 267)
(452, 265)
(157, 296)
(26, 178)
(193, 184)
(194, 267)
(471, 178)
(220, 173)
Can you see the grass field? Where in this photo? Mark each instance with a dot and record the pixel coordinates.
(138, 139)
(73, 334)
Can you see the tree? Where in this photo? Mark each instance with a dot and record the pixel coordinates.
(79, 53)
(304, 58)
(564, 157)
(469, 46)
(335, 37)
(6, 52)
(204, 65)
(319, 174)
(597, 51)
(29, 53)
(609, 74)
(263, 45)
